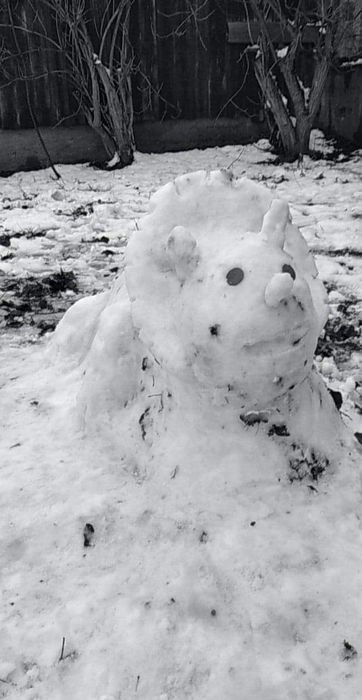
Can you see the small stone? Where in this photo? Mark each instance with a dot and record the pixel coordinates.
(280, 430)
(348, 651)
(5, 240)
(58, 195)
(88, 534)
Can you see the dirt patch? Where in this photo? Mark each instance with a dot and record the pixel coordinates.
(342, 333)
(37, 301)
(336, 252)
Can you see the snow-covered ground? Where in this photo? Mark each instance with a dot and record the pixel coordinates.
(211, 593)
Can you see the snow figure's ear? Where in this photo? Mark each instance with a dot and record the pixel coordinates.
(182, 252)
(275, 222)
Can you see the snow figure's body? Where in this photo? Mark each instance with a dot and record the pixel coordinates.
(227, 483)
(218, 314)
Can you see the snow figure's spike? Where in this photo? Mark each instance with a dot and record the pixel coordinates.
(275, 222)
(182, 251)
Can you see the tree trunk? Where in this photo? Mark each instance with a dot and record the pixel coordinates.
(303, 129)
(108, 143)
(295, 139)
(304, 111)
(112, 121)
(272, 94)
(319, 82)
(122, 130)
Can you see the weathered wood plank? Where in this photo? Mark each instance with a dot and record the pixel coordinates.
(248, 32)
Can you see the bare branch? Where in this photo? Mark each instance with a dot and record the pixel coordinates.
(21, 65)
(102, 95)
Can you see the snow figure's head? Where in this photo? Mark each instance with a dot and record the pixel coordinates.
(223, 289)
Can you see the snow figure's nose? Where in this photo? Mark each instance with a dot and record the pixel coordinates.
(278, 288)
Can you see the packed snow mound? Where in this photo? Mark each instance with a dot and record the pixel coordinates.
(220, 289)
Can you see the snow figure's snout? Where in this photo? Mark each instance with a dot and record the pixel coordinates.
(280, 287)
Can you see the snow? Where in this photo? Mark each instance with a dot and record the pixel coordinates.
(305, 90)
(350, 64)
(219, 568)
(114, 161)
(317, 140)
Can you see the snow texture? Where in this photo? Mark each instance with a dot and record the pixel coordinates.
(197, 365)
(226, 544)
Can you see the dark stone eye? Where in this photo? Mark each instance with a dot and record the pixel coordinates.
(235, 276)
(290, 270)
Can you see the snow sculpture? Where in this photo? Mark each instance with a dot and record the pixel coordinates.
(232, 287)
(220, 560)
(220, 301)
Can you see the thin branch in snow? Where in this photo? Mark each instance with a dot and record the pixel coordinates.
(61, 657)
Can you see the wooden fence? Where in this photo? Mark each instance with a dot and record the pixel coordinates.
(184, 65)
(188, 65)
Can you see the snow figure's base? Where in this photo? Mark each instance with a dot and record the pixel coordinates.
(233, 480)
